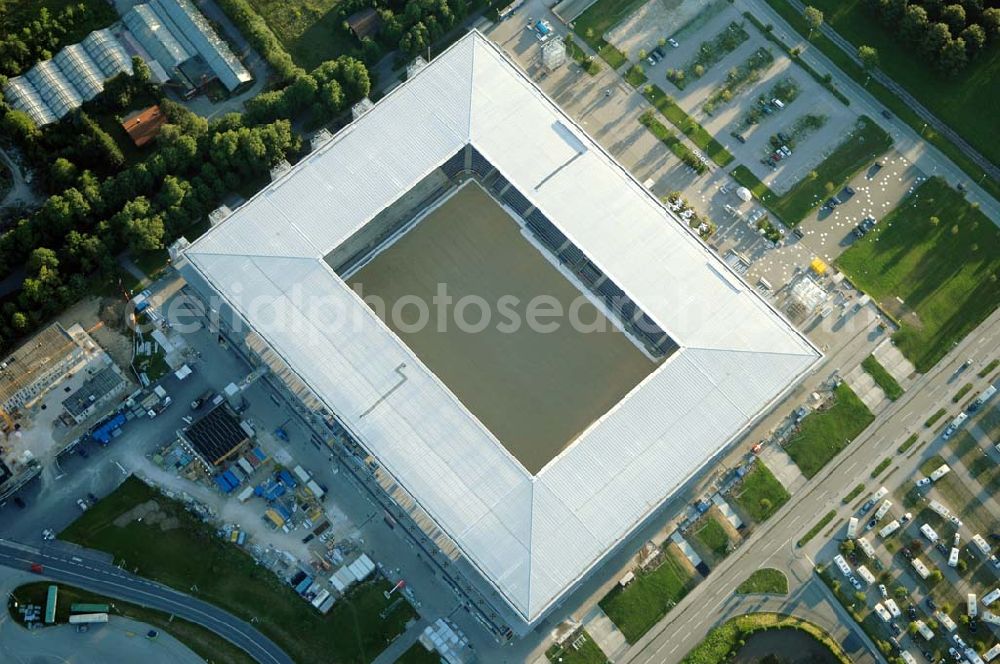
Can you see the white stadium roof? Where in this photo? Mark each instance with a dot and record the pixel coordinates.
(532, 537)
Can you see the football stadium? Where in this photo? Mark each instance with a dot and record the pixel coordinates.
(528, 349)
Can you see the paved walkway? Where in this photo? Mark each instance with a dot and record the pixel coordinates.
(402, 643)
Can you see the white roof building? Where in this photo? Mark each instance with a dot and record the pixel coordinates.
(533, 537)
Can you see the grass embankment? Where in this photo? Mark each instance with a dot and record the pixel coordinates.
(814, 531)
(823, 434)
(765, 580)
(581, 649)
(882, 378)
(861, 147)
(686, 124)
(191, 555)
(722, 642)
(901, 109)
(597, 20)
(761, 494)
(941, 257)
(641, 604)
(205, 643)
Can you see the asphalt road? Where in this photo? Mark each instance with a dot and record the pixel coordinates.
(91, 573)
(773, 544)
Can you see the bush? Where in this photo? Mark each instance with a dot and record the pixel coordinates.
(257, 32)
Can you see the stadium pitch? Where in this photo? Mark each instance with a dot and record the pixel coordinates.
(535, 387)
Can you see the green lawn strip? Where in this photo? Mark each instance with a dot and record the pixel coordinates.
(581, 649)
(988, 369)
(723, 641)
(669, 138)
(860, 148)
(990, 423)
(713, 536)
(882, 465)
(600, 17)
(193, 555)
(882, 378)
(676, 115)
(205, 643)
(815, 530)
(888, 98)
(635, 76)
(929, 422)
(642, 603)
(855, 492)
(962, 391)
(417, 654)
(761, 493)
(825, 80)
(823, 434)
(766, 580)
(940, 256)
(907, 444)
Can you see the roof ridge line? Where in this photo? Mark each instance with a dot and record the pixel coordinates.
(744, 350)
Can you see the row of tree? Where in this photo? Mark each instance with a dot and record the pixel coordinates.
(71, 239)
(325, 93)
(947, 35)
(21, 46)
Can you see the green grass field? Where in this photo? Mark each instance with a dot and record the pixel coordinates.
(761, 494)
(310, 30)
(640, 605)
(202, 641)
(882, 378)
(192, 554)
(766, 580)
(958, 101)
(859, 149)
(945, 273)
(822, 435)
(713, 536)
(417, 654)
(601, 17)
(578, 650)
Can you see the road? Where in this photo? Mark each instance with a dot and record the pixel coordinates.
(20, 192)
(91, 572)
(932, 120)
(773, 544)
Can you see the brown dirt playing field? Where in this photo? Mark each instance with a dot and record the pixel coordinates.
(535, 391)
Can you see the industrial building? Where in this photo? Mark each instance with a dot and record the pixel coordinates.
(96, 392)
(275, 273)
(36, 365)
(179, 38)
(216, 437)
(53, 88)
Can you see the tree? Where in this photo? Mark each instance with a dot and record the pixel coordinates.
(869, 60)
(20, 126)
(914, 24)
(935, 39)
(814, 19)
(991, 22)
(860, 596)
(912, 629)
(954, 57)
(42, 260)
(954, 17)
(62, 173)
(900, 592)
(975, 39)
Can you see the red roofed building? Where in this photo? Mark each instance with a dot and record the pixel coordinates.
(143, 126)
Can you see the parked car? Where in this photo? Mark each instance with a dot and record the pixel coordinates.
(905, 518)
(864, 227)
(930, 604)
(659, 52)
(48, 534)
(886, 114)
(911, 613)
(82, 504)
(924, 481)
(652, 59)
(883, 591)
(82, 451)
(673, 42)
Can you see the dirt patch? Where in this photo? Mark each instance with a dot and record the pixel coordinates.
(101, 317)
(681, 559)
(150, 513)
(659, 19)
